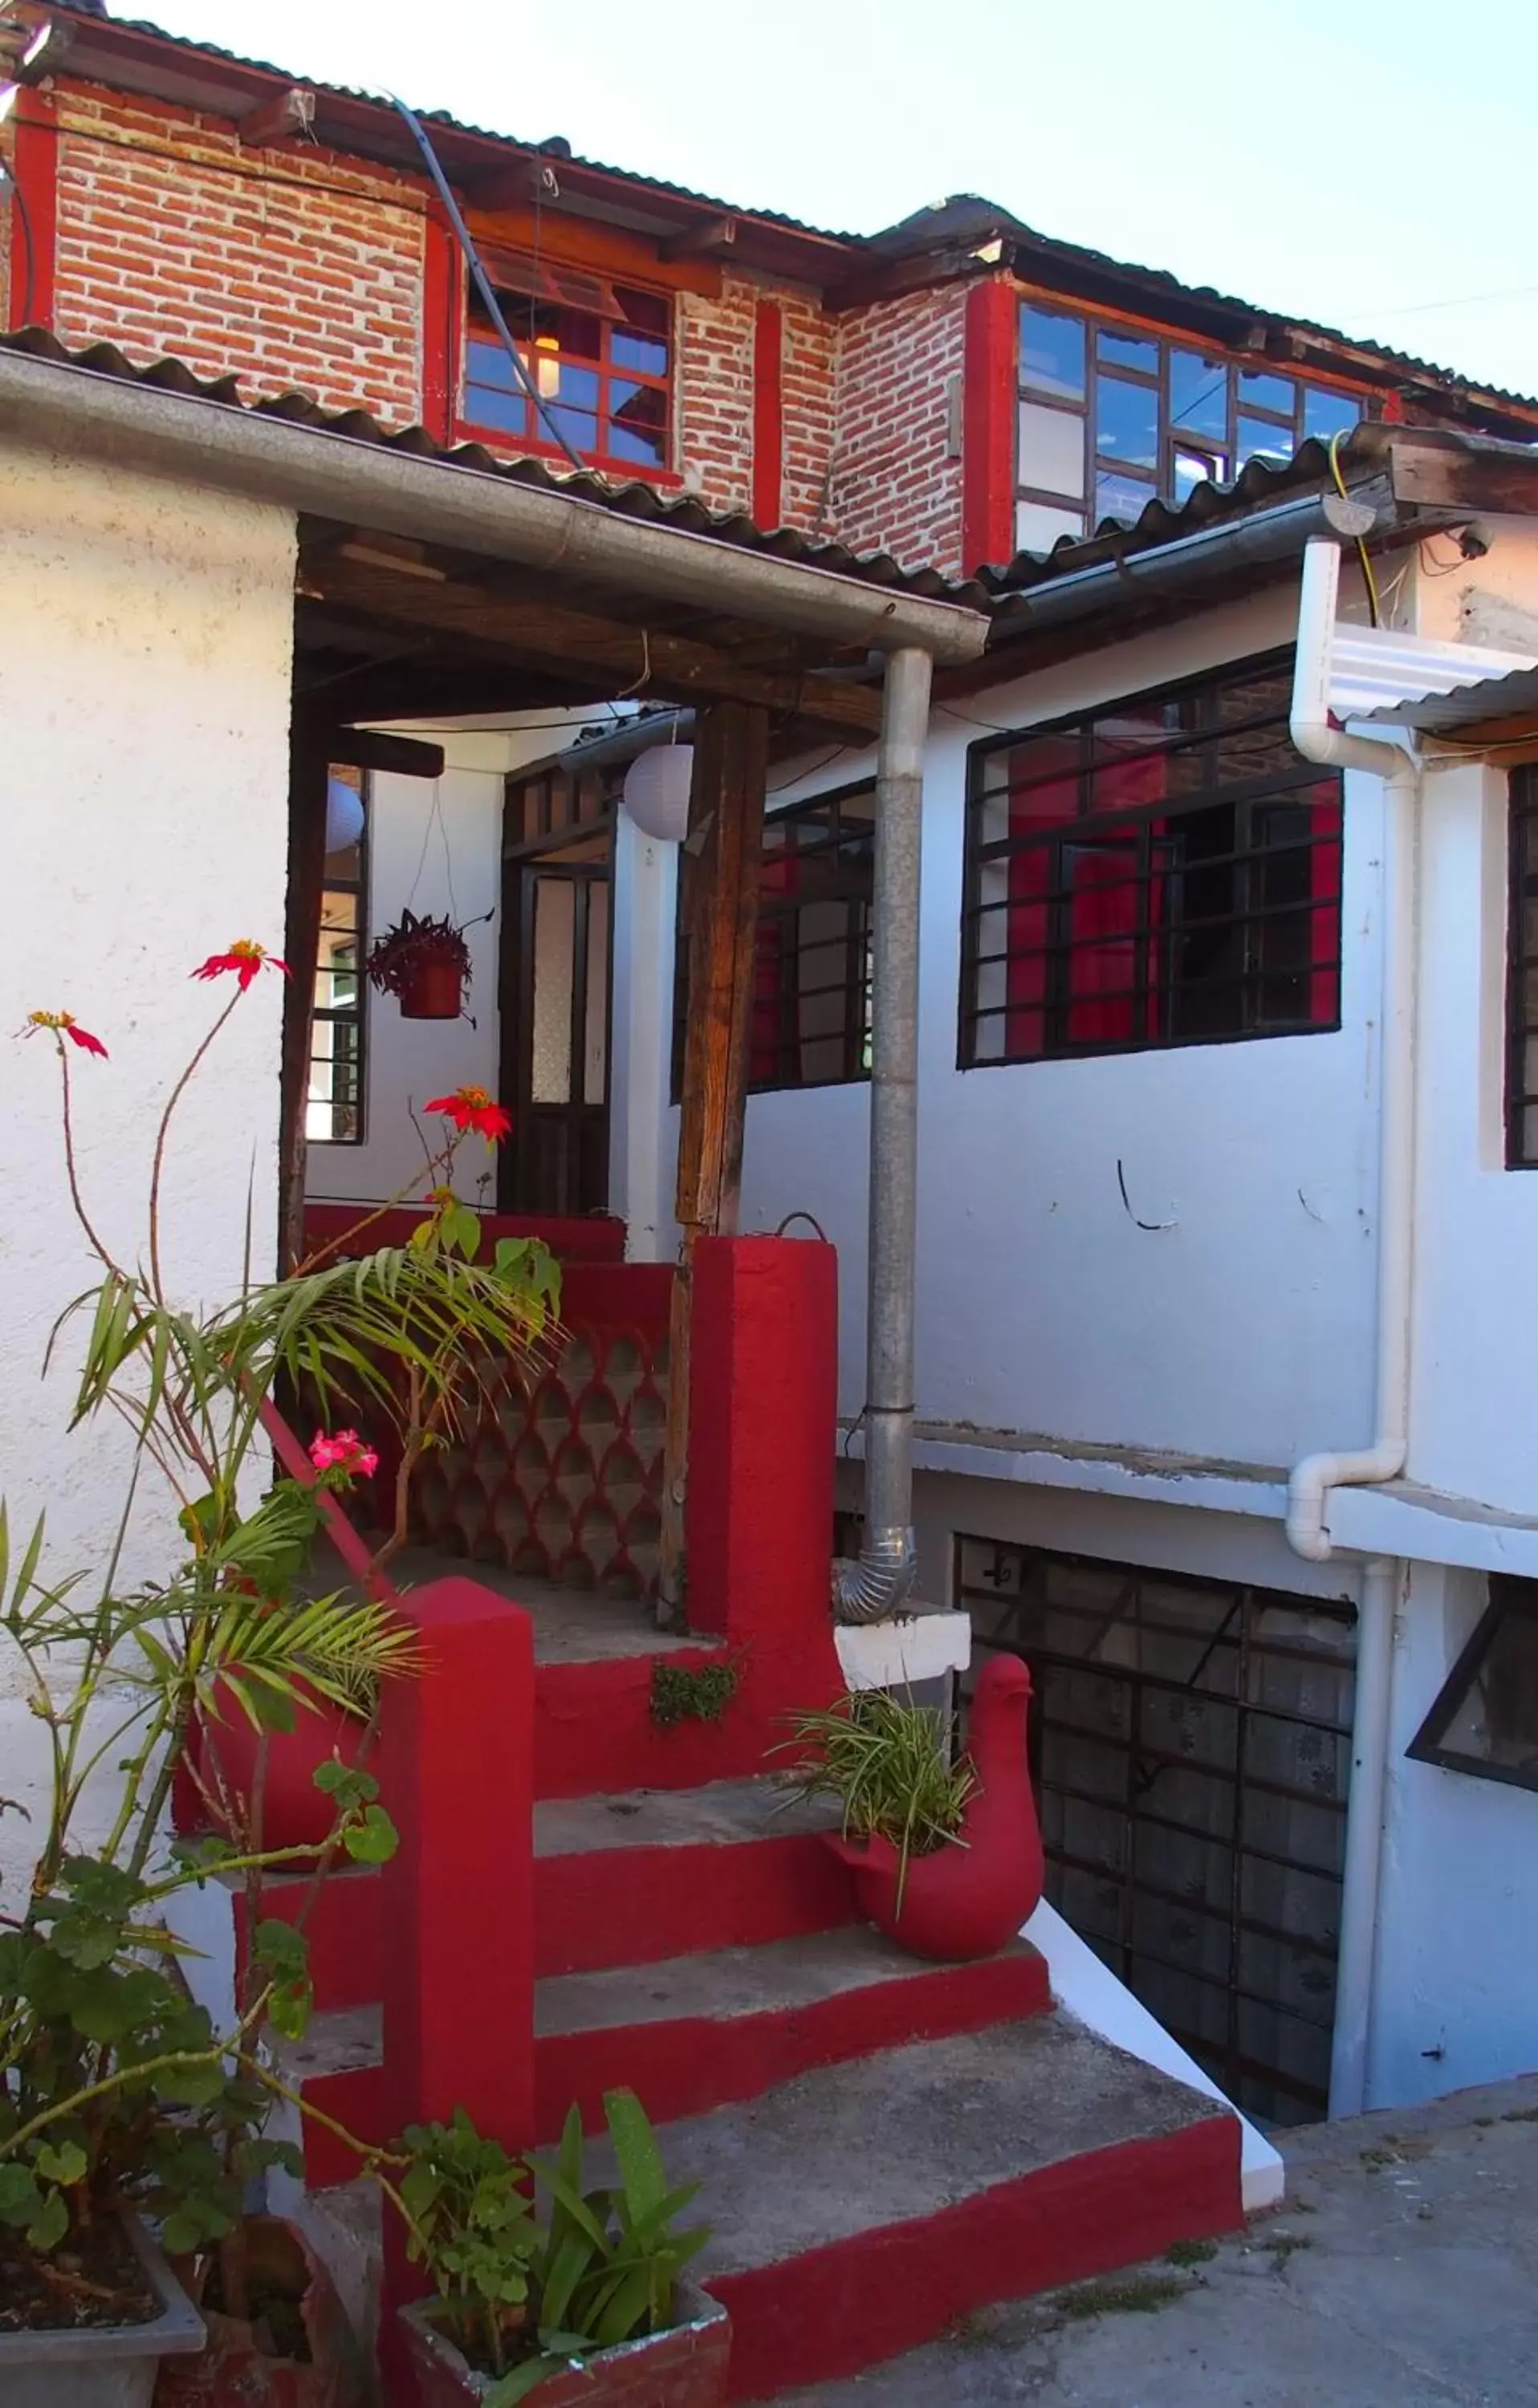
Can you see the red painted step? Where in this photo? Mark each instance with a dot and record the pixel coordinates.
(857, 2212)
(637, 1878)
(701, 2030)
(344, 1928)
(337, 2068)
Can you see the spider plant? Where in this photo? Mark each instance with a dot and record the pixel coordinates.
(889, 1762)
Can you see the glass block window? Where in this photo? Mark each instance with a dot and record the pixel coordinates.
(334, 1114)
(603, 371)
(1163, 871)
(1485, 1721)
(1522, 976)
(1110, 420)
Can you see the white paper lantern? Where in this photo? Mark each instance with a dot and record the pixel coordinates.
(656, 791)
(343, 816)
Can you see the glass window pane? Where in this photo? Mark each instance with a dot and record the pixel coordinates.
(1329, 413)
(1121, 497)
(1052, 351)
(652, 311)
(642, 352)
(1266, 392)
(1052, 449)
(1127, 420)
(1259, 441)
(1126, 352)
(579, 426)
(554, 928)
(1199, 394)
(1037, 525)
(595, 1013)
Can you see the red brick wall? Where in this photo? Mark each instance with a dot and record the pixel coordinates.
(715, 387)
(810, 362)
(289, 267)
(897, 486)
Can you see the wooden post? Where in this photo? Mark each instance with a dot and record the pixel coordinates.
(309, 774)
(722, 861)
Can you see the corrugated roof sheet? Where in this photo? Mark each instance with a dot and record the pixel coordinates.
(1463, 705)
(635, 500)
(1374, 670)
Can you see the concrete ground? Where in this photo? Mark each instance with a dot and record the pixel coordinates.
(1402, 2272)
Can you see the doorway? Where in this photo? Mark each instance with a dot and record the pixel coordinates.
(556, 976)
(1190, 1747)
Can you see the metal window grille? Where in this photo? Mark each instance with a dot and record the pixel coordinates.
(1191, 1749)
(810, 1017)
(1485, 1721)
(1111, 416)
(1165, 871)
(605, 379)
(333, 1104)
(1523, 975)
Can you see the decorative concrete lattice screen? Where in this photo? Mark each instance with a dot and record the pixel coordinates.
(561, 1477)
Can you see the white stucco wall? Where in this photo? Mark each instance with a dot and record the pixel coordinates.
(448, 863)
(1456, 1993)
(145, 674)
(1241, 1331)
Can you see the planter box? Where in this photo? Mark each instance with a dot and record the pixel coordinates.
(113, 2366)
(683, 2368)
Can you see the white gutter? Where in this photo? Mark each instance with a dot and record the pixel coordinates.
(82, 413)
(1317, 738)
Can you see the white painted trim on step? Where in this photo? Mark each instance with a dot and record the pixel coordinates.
(1091, 1991)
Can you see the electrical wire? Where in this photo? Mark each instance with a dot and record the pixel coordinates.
(29, 256)
(482, 282)
(1370, 579)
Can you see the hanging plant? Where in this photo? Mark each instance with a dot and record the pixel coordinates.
(426, 964)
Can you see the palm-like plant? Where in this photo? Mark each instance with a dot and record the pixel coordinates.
(114, 2084)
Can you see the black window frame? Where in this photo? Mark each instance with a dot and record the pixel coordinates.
(1521, 1097)
(1249, 797)
(1510, 1597)
(357, 1013)
(855, 1032)
(1220, 456)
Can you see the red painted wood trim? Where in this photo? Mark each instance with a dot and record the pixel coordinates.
(987, 427)
(837, 2310)
(687, 2067)
(442, 322)
(596, 1237)
(36, 161)
(768, 413)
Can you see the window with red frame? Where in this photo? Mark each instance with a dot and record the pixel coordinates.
(1165, 871)
(602, 372)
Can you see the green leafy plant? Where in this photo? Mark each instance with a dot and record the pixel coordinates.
(698, 1693)
(889, 1764)
(521, 2298)
(116, 2087)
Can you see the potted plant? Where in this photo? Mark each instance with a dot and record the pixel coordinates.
(120, 2097)
(946, 1854)
(425, 963)
(582, 2306)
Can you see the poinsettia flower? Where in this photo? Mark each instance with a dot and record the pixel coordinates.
(343, 1451)
(245, 958)
(472, 1108)
(64, 1024)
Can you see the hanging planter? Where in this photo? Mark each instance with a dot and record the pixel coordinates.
(425, 963)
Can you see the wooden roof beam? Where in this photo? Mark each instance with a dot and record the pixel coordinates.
(585, 649)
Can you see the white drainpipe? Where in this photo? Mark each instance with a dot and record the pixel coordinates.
(1313, 1480)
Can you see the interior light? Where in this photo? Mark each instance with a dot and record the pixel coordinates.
(547, 365)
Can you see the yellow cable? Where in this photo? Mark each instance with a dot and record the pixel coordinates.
(1372, 582)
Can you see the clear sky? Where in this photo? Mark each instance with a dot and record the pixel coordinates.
(1376, 168)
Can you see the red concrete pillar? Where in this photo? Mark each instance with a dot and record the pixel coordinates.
(457, 1755)
(763, 1436)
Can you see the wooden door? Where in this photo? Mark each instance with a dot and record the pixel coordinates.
(558, 945)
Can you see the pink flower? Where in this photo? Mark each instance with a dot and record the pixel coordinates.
(345, 1451)
(64, 1024)
(245, 959)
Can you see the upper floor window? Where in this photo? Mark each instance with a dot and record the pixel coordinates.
(1522, 976)
(334, 1099)
(1109, 419)
(600, 355)
(1164, 871)
(811, 1022)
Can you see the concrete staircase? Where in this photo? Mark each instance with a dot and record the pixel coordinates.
(883, 2144)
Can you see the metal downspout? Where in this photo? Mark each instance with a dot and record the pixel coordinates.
(1350, 2054)
(880, 1581)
